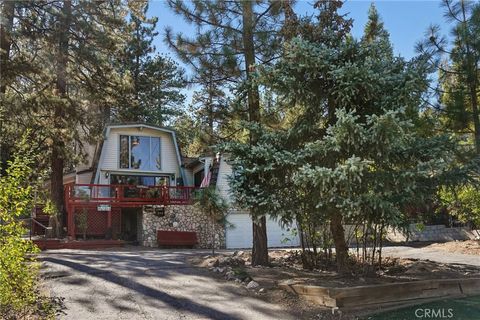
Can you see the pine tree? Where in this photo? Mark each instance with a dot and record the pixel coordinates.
(232, 38)
(157, 80)
(374, 29)
(6, 26)
(457, 63)
(61, 94)
(320, 74)
(210, 106)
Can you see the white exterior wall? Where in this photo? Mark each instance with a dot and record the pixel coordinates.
(241, 235)
(109, 160)
(224, 173)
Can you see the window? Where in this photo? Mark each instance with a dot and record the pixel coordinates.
(140, 152)
(140, 180)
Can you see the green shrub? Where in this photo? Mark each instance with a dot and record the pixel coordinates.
(462, 202)
(81, 220)
(19, 295)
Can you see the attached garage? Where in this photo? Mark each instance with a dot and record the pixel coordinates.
(240, 235)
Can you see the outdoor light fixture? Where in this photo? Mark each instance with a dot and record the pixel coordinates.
(159, 211)
(107, 174)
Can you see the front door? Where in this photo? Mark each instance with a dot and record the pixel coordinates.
(130, 224)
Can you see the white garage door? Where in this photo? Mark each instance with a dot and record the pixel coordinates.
(240, 236)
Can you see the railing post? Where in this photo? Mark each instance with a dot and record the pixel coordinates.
(166, 195)
(119, 193)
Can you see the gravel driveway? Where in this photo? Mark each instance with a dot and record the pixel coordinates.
(139, 283)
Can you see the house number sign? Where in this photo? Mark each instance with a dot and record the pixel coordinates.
(104, 207)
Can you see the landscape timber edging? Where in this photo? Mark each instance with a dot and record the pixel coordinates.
(384, 294)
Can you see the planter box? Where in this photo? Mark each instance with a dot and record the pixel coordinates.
(176, 238)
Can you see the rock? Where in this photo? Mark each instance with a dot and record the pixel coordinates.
(262, 290)
(252, 285)
(230, 276)
(230, 261)
(238, 253)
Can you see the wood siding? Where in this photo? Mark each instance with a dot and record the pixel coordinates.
(111, 150)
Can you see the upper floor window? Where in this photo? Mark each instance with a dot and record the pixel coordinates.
(140, 152)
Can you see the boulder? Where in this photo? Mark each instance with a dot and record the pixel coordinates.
(252, 285)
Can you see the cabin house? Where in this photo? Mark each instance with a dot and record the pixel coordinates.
(136, 186)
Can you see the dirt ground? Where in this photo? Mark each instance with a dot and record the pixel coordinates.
(286, 265)
(471, 247)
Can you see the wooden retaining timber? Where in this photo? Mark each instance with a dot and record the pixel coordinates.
(384, 294)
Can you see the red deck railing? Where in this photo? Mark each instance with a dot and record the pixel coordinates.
(92, 196)
(127, 195)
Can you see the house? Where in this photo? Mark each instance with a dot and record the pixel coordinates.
(135, 184)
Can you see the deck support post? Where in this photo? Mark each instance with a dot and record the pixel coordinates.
(109, 233)
(109, 218)
(71, 221)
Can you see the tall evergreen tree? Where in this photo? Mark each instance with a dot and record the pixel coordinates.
(458, 65)
(232, 38)
(320, 74)
(210, 107)
(6, 27)
(156, 80)
(72, 48)
(374, 29)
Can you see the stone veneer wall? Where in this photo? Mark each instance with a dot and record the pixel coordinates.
(180, 218)
(431, 233)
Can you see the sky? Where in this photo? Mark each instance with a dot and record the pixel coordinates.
(406, 21)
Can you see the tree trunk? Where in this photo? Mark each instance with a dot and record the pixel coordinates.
(260, 247)
(476, 119)
(6, 25)
(57, 157)
(341, 248)
(472, 79)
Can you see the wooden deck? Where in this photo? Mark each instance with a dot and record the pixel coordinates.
(102, 198)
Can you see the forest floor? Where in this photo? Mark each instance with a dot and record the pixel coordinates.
(466, 247)
(287, 265)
